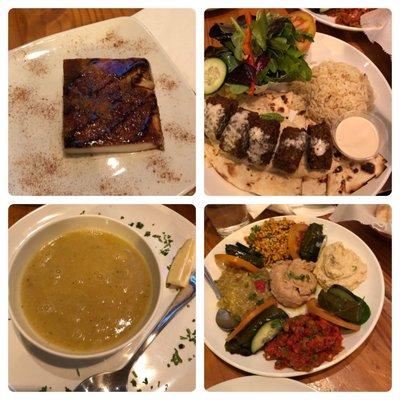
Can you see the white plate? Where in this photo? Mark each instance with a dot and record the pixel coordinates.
(330, 21)
(372, 289)
(256, 383)
(37, 164)
(327, 48)
(29, 370)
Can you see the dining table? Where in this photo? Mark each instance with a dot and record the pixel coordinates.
(356, 39)
(366, 369)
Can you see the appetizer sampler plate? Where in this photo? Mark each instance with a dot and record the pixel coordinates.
(330, 21)
(256, 383)
(37, 162)
(328, 48)
(30, 370)
(372, 289)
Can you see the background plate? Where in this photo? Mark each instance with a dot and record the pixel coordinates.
(330, 21)
(29, 370)
(256, 383)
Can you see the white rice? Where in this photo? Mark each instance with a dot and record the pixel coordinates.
(335, 89)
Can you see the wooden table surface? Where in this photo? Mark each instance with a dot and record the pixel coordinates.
(26, 25)
(369, 367)
(17, 211)
(357, 39)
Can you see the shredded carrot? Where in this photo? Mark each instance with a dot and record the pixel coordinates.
(252, 88)
(247, 49)
(250, 316)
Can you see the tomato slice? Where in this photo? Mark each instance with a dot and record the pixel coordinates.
(304, 22)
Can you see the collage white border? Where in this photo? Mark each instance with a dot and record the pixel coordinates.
(199, 199)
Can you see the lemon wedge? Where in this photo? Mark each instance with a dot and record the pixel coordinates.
(182, 265)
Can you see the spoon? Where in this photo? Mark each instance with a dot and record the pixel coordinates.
(116, 381)
(224, 318)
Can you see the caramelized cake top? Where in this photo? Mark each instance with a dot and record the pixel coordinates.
(108, 103)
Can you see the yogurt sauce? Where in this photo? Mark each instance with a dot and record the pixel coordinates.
(357, 138)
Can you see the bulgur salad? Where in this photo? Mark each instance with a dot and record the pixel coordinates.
(280, 304)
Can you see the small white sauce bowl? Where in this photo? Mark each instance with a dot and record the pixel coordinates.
(379, 126)
(33, 242)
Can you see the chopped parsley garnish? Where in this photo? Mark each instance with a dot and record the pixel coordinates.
(146, 381)
(176, 358)
(67, 389)
(252, 296)
(83, 212)
(301, 277)
(43, 389)
(131, 224)
(148, 233)
(139, 225)
(272, 116)
(253, 231)
(167, 241)
(190, 336)
(122, 217)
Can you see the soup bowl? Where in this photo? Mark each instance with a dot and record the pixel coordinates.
(47, 233)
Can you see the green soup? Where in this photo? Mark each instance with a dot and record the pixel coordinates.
(86, 291)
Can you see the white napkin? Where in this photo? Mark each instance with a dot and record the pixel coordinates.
(285, 209)
(379, 17)
(364, 213)
(256, 209)
(178, 40)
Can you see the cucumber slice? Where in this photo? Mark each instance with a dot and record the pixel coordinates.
(214, 74)
(266, 333)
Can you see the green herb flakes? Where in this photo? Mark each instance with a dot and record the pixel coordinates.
(176, 358)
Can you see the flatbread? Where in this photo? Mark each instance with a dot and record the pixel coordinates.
(314, 187)
(259, 182)
(356, 178)
(269, 102)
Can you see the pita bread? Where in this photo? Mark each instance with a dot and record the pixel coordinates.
(356, 177)
(259, 182)
(314, 187)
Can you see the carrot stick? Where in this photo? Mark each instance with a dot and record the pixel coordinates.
(313, 308)
(224, 260)
(247, 48)
(250, 316)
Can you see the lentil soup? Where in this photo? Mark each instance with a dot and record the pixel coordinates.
(86, 291)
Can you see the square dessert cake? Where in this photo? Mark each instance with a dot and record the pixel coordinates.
(110, 106)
